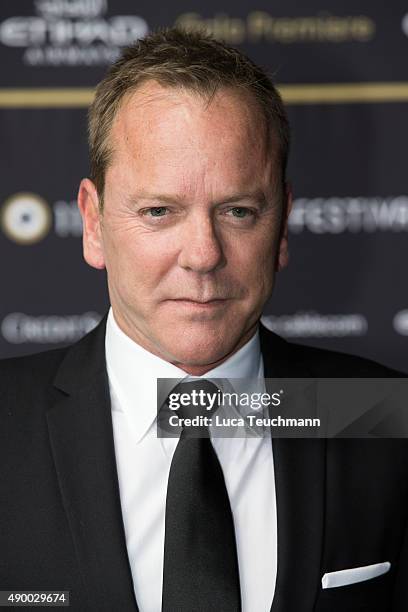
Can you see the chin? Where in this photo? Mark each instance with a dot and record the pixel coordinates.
(198, 347)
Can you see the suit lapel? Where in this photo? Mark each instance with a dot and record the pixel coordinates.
(81, 436)
(299, 466)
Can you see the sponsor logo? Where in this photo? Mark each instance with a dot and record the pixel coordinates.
(71, 8)
(262, 27)
(25, 218)
(351, 214)
(20, 328)
(67, 219)
(71, 33)
(316, 325)
(400, 322)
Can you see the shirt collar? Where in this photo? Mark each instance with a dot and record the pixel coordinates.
(133, 372)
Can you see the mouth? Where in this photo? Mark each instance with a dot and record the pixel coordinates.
(206, 305)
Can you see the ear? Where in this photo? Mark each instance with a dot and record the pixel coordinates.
(283, 255)
(88, 204)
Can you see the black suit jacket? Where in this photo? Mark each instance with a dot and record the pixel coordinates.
(341, 503)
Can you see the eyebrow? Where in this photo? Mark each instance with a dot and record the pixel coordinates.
(257, 196)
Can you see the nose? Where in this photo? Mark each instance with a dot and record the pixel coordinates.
(201, 249)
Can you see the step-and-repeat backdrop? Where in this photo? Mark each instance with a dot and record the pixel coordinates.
(343, 72)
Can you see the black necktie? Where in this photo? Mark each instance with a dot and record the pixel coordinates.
(200, 571)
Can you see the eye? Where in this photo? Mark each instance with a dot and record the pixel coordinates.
(241, 212)
(156, 211)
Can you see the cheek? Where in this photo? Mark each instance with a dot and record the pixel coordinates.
(138, 263)
(253, 261)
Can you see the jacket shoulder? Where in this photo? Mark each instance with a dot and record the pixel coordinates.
(37, 368)
(41, 368)
(26, 383)
(30, 383)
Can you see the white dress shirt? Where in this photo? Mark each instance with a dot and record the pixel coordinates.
(143, 463)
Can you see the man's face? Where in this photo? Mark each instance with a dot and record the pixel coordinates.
(192, 223)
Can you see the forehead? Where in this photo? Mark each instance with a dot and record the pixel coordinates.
(187, 133)
(151, 98)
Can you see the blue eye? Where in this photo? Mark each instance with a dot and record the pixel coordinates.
(158, 211)
(240, 212)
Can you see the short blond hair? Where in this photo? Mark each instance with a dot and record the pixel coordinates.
(190, 60)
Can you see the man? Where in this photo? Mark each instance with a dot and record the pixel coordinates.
(187, 211)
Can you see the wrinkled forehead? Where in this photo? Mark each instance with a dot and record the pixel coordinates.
(154, 117)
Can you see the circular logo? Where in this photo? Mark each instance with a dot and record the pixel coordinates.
(404, 24)
(25, 218)
(401, 322)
